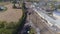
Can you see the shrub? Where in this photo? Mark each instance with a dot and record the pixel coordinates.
(22, 20)
(11, 25)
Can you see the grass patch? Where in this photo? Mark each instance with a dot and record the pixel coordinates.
(32, 31)
(4, 3)
(6, 31)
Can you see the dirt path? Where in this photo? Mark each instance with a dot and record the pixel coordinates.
(11, 14)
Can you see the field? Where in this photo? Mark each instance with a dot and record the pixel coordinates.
(11, 15)
(9, 19)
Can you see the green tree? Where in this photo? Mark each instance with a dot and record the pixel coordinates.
(14, 2)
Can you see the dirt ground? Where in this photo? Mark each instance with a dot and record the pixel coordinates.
(11, 15)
